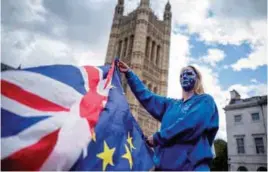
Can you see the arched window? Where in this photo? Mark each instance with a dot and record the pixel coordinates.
(147, 47)
(152, 51)
(125, 47)
(242, 168)
(119, 49)
(130, 44)
(262, 169)
(157, 55)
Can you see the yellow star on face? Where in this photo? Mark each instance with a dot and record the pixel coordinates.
(106, 156)
(128, 156)
(129, 140)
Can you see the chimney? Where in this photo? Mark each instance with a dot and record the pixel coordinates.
(234, 96)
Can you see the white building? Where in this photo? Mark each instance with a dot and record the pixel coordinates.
(246, 123)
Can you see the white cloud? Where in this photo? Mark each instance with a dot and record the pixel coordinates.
(35, 50)
(27, 11)
(36, 32)
(253, 80)
(179, 52)
(213, 57)
(91, 58)
(21, 47)
(247, 91)
(255, 59)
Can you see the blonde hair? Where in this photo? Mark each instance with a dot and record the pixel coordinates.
(198, 87)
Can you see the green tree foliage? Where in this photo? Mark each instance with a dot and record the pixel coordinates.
(220, 162)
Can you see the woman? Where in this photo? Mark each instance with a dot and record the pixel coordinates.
(188, 125)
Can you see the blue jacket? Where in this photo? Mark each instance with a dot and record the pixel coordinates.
(188, 128)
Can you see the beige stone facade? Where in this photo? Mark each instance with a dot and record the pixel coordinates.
(142, 41)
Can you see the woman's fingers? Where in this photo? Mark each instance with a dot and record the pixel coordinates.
(122, 66)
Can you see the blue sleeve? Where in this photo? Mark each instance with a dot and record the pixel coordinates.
(156, 105)
(193, 124)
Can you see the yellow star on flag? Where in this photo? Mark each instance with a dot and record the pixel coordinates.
(129, 140)
(128, 156)
(106, 156)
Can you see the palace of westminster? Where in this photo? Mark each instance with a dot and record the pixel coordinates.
(142, 41)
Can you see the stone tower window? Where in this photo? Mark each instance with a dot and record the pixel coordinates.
(125, 47)
(119, 48)
(157, 55)
(131, 44)
(152, 52)
(147, 46)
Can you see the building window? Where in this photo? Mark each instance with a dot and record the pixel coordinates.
(157, 55)
(119, 49)
(259, 145)
(125, 47)
(131, 44)
(152, 52)
(262, 169)
(147, 46)
(242, 168)
(255, 116)
(237, 118)
(240, 145)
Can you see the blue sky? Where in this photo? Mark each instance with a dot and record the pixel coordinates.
(225, 40)
(233, 53)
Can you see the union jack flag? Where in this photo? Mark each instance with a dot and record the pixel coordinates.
(63, 117)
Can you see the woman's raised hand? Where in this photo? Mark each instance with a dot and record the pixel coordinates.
(123, 67)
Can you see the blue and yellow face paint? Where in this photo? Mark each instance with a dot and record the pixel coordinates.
(188, 79)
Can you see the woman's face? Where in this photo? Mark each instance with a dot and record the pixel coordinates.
(188, 79)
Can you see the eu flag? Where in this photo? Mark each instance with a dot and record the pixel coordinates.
(119, 143)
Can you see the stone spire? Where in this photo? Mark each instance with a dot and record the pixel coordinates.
(119, 9)
(145, 3)
(120, 2)
(167, 13)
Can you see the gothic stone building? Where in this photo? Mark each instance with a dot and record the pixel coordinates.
(142, 41)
